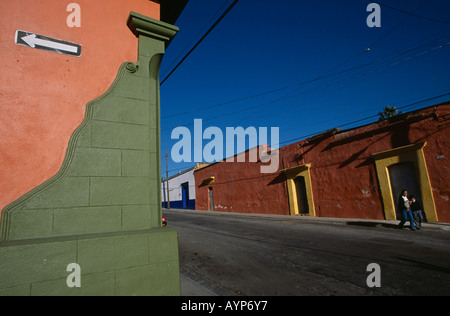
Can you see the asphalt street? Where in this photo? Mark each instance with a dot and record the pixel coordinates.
(245, 255)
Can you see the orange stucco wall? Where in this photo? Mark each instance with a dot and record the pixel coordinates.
(43, 95)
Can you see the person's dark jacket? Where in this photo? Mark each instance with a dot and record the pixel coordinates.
(416, 206)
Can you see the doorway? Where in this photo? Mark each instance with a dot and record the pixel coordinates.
(302, 196)
(299, 186)
(185, 194)
(404, 168)
(403, 177)
(211, 199)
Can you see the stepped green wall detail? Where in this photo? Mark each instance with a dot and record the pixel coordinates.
(103, 208)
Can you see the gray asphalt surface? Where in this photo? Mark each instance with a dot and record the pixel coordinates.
(244, 255)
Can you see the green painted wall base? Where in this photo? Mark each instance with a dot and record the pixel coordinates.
(141, 263)
(103, 208)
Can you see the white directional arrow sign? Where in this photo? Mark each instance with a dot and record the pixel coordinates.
(46, 43)
(32, 41)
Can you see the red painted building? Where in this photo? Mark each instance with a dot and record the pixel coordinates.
(356, 173)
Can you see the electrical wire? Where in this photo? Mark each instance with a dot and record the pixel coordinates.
(414, 14)
(367, 118)
(297, 85)
(183, 52)
(202, 39)
(384, 62)
(377, 43)
(292, 141)
(327, 75)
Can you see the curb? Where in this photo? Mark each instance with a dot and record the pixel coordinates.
(318, 220)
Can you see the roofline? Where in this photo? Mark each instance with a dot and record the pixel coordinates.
(180, 174)
(407, 114)
(335, 131)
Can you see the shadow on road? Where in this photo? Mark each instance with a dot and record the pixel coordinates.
(374, 225)
(428, 266)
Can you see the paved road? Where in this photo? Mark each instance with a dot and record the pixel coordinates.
(281, 256)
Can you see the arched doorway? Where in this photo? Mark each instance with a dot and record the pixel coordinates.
(301, 200)
(404, 166)
(403, 177)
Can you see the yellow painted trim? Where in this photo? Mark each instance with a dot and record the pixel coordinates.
(414, 154)
(398, 151)
(291, 175)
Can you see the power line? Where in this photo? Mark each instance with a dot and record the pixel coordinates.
(367, 118)
(226, 103)
(382, 63)
(346, 116)
(414, 14)
(259, 95)
(324, 76)
(199, 33)
(358, 75)
(398, 25)
(300, 84)
(279, 145)
(202, 39)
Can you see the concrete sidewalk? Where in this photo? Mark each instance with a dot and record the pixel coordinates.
(189, 287)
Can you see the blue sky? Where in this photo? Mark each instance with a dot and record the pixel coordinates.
(302, 66)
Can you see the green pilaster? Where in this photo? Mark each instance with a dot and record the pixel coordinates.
(107, 188)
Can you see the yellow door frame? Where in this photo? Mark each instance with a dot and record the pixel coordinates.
(291, 175)
(414, 154)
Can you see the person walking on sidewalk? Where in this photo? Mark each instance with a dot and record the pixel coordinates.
(417, 211)
(404, 206)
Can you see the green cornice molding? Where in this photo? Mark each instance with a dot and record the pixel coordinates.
(143, 25)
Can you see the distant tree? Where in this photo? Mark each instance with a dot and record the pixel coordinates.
(389, 112)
